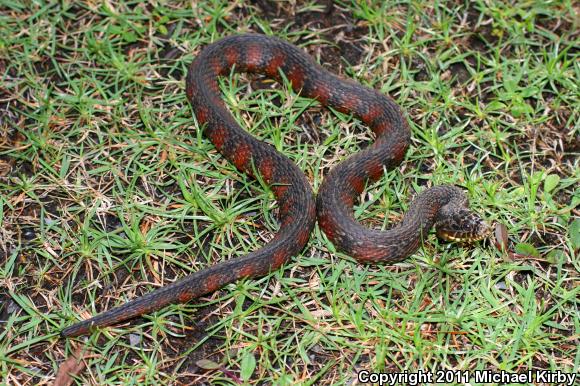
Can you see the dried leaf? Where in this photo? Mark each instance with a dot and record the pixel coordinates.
(72, 366)
(501, 237)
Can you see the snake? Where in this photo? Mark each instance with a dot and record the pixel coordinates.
(444, 207)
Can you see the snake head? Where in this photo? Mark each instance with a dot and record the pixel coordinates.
(457, 223)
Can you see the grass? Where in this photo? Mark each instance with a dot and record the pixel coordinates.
(108, 190)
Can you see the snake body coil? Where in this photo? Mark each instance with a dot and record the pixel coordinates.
(442, 206)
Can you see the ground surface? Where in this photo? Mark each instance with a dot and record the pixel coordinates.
(107, 190)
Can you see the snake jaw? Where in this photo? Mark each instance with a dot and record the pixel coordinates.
(461, 225)
(460, 237)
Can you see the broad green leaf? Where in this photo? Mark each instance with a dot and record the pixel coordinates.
(207, 364)
(551, 182)
(556, 256)
(575, 233)
(248, 366)
(527, 250)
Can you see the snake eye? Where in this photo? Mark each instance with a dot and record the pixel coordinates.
(461, 225)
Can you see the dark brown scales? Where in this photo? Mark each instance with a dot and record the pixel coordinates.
(270, 56)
